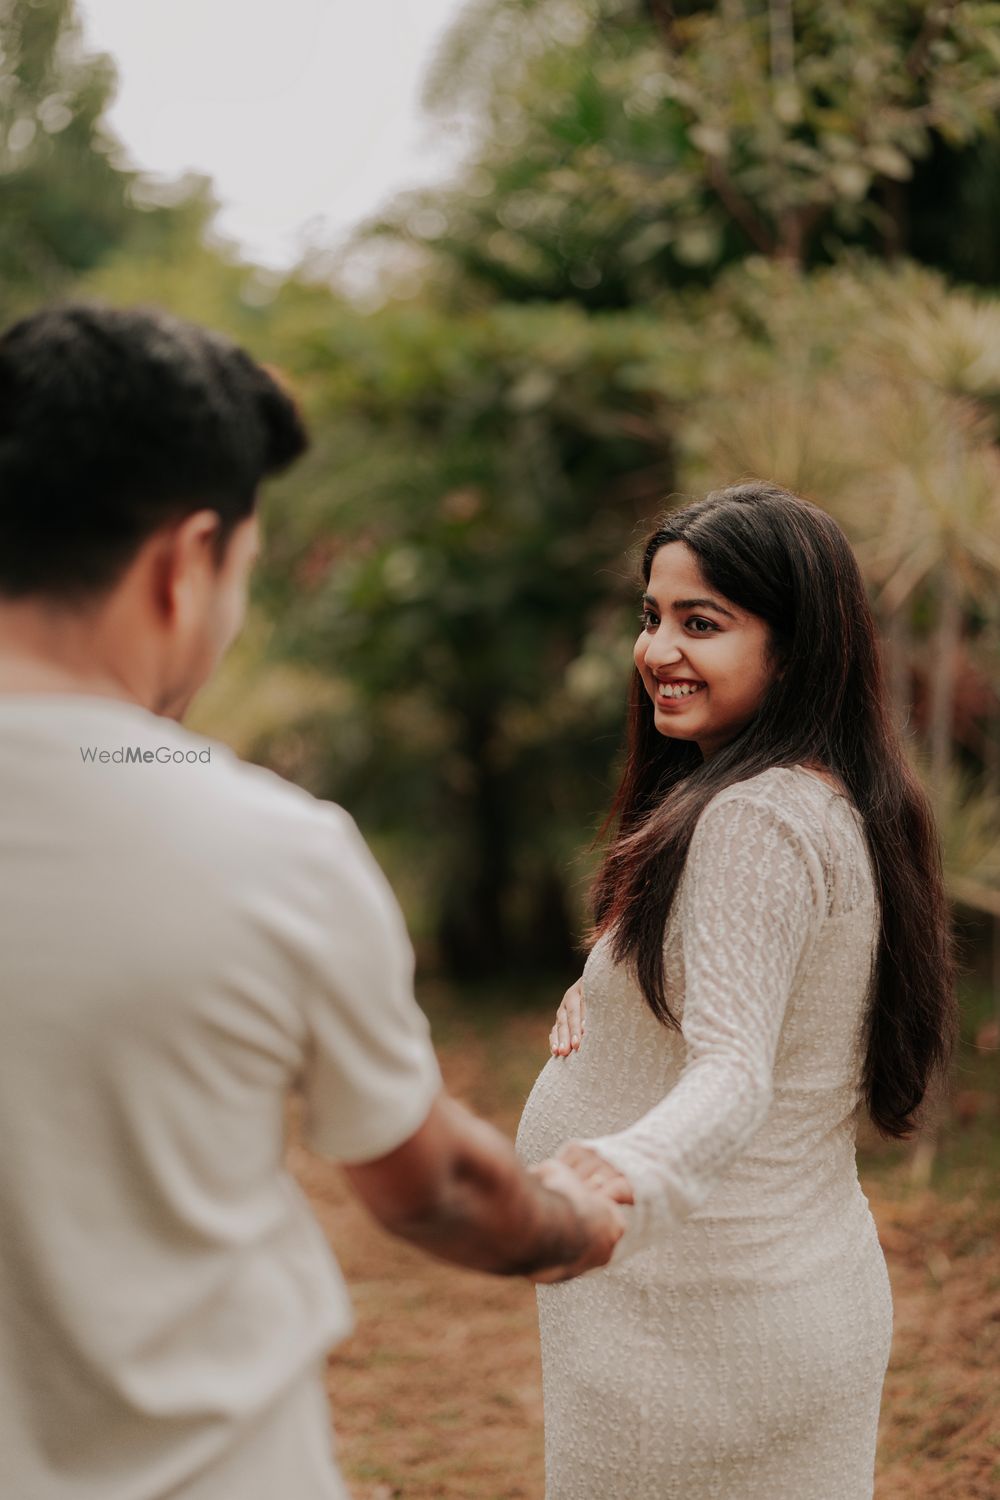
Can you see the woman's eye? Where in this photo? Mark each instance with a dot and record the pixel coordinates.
(700, 620)
(648, 620)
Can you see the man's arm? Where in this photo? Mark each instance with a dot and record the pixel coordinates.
(456, 1189)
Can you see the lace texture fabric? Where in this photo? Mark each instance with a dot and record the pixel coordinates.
(735, 1348)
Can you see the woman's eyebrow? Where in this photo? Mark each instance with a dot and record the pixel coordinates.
(692, 604)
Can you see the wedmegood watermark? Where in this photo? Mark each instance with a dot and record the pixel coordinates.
(132, 755)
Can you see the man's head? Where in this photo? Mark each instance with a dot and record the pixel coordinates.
(131, 448)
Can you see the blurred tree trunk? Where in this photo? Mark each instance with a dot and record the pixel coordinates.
(548, 936)
(898, 646)
(942, 688)
(479, 934)
(893, 206)
(991, 778)
(472, 933)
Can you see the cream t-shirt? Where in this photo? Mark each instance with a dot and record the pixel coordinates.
(183, 937)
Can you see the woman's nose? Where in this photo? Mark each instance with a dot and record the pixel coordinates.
(662, 652)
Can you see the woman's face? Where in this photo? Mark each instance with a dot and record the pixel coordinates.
(703, 660)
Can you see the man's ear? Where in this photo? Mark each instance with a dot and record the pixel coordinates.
(182, 553)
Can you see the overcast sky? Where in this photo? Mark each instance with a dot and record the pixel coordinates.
(304, 112)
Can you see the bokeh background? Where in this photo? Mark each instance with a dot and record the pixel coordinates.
(683, 244)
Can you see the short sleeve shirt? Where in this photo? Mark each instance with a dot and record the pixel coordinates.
(183, 939)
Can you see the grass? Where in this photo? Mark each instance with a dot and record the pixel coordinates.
(437, 1395)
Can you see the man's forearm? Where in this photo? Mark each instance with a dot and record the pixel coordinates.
(529, 1231)
(491, 1215)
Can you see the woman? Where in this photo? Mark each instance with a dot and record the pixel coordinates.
(772, 956)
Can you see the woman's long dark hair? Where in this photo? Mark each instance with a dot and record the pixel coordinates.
(789, 563)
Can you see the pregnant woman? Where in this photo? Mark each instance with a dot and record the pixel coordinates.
(772, 957)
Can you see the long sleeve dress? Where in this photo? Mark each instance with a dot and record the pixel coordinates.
(736, 1345)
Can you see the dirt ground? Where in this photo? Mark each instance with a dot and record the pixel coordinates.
(438, 1391)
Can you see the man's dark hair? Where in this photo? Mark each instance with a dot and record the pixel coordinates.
(115, 422)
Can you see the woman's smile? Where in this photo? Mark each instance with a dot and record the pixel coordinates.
(675, 694)
(697, 644)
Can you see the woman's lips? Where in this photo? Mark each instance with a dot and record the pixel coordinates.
(679, 702)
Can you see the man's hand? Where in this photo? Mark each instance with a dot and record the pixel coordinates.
(595, 1204)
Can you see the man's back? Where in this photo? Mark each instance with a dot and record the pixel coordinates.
(182, 938)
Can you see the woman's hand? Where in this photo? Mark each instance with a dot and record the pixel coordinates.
(567, 1034)
(604, 1222)
(595, 1173)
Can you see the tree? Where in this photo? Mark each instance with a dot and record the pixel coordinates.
(627, 155)
(627, 147)
(66, 199)
(453, 553)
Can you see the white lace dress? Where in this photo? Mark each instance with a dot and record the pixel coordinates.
(736, 1346)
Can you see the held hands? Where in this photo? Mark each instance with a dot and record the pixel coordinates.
(594, 1187)
(567, 1034)
(601, 1220)
(594, 1172)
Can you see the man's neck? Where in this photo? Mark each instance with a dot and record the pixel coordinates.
(22, 672)
(55, 652)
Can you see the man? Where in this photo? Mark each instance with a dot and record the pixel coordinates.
(184, 938)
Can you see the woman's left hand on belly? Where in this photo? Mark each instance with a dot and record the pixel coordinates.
(571, 1023)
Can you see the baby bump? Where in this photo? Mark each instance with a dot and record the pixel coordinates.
(574, 1098)
(536, 1128)
(554, 1112)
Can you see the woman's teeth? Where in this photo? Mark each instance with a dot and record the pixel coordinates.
(678, 690)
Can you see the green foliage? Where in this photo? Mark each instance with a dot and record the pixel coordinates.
(454, 549)
(66, 199)
(634, 146)
(642, 283)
